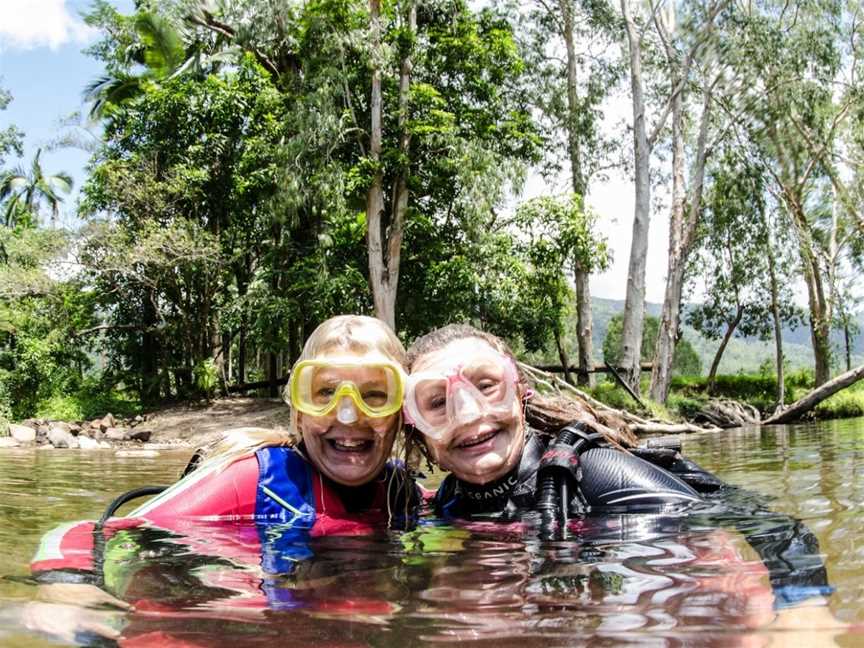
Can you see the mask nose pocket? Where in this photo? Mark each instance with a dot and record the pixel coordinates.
(465, 407)
(346, 413)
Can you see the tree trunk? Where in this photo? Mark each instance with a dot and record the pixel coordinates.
(848, 340)
(715, 364)
(562, 356)
(149, 385)
(272, 375)
(581, 277)
(241, 350)
(384, 261)
(775, 316)
(816, 396)
(634, 303)
(584, 325)
(820, 309)
(682, 233)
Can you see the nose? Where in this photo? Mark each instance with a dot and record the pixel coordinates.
(465, 406)
(346, 412)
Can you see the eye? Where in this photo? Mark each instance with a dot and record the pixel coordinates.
(487, 386)
(325, 392)
(436, 403)
(375, 396)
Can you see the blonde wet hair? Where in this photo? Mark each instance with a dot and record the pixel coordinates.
(352, 334)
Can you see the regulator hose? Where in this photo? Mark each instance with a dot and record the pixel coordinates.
(559, 470)
(98, 528)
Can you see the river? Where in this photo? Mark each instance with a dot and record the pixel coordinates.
(642, 580)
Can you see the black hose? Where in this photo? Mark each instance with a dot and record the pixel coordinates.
(98, 533)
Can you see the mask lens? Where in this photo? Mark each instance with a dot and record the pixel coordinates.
(489, 377)
(319, 387)
(430, 398)
(440, 399)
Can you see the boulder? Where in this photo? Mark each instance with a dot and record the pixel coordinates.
(141, 435)
(8, 442)
(60, 425)
(108, 421)
(117, 434)
(22, 433)
(95, 424)
(75, 428)
(61, 438)
(86, 443)
(139, 418)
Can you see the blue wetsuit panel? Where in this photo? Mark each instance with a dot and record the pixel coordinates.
(285, 493)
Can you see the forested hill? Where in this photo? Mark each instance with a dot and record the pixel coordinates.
(742, 354)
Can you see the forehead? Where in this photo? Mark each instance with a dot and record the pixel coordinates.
(458, 352)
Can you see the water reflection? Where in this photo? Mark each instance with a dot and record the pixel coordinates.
(651, 580)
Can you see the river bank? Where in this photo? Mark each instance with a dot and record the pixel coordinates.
(178, 425)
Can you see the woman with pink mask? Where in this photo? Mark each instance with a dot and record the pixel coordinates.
(514, 455)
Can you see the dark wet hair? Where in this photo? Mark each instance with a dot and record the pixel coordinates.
(543, 413)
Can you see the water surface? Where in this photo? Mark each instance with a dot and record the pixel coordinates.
(640, 580)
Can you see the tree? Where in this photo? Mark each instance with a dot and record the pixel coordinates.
(744, 271)
(22, 193)
(560, 235)
(680, 61)
(568, 91)
(804, 59)
(11, 137)
(686, 361)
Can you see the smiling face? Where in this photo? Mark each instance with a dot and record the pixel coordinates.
(347, 445)
(485, 441)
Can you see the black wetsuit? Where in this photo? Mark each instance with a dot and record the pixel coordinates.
(612, 482)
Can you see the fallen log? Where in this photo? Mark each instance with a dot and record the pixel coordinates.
(635, 424)
(811, 400)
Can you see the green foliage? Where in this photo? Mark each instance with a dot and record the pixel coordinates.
(685, 361)
(11, 138)
(90, 400)
(206, 377)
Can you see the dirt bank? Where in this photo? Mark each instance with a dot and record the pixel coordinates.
(195, 425)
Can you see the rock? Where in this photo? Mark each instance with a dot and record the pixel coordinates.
(104, 445)
(96, 424)
(86, 443)
(75, 428)
(61, 438)
(136, 453)
(8, 442)
(117, 434)
(108, 421)
(141, 435)
(139, 418)
(22, 433)
(60, 425)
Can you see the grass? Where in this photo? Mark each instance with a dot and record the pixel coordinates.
(689, 393)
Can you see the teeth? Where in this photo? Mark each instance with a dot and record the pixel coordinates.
(478, 439)
(350, 444)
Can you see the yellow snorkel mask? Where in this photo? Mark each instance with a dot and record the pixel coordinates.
(346, 385)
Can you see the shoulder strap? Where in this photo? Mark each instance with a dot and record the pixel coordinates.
(285, 493)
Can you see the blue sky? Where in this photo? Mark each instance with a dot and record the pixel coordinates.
(43, 66)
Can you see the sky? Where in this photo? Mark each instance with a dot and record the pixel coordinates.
(42, 64)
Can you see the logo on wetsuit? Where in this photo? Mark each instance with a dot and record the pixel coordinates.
(493, 491)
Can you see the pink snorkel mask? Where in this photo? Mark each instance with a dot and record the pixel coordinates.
(441, 400)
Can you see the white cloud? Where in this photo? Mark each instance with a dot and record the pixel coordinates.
(27, 24)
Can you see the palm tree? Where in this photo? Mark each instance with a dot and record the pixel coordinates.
(23, 193)
(162, 53)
